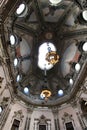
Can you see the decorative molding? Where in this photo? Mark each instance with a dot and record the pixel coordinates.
(42, 119)
(5, 101)
(30, 108)
(55, 110)
(67, 117)
(74, 103)
(18, 115)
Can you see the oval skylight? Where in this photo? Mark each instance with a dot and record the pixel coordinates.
(54, 2)
(60, 92)
(84, 47)
(0, 109)
(77, 67)
(71, 81)
(12, 39)
(15, 62)
(26, 90)
(18, 78)
(84, 14)
(22, 10)
(43, 50)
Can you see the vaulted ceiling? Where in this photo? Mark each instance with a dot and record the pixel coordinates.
(65, 26)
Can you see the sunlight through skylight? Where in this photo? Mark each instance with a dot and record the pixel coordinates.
(77, 67)
(71, 81)
(43, 50)
(26, 90)
(54, 2)
(0, 109)
(15, 62)
(22, 10)
(12, 39)
(84, 47)
(84, 14)
(60, 92)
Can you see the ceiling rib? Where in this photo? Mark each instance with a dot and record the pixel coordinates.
(63, 17)
(75, 33)
(25, 28)
(39, 13)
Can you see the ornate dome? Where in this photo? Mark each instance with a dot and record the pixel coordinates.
(36, 29)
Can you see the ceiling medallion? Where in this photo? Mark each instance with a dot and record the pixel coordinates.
(49, 35)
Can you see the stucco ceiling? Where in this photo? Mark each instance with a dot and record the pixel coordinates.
(62, 25)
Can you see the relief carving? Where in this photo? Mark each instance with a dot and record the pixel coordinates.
(18, 115)
(5, 101)
(68, 120)
(67, 117)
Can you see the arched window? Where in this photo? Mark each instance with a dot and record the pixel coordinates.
(69, 126)
(42, 127)
(15, 125)
(68, 122)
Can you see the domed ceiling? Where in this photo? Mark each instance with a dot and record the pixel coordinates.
(39, 32)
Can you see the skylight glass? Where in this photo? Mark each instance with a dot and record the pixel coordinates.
(71, 81)
(54, 2)
(15, 62)
(43, 50)
(26, 90)
(84, 14)
(12, 39)
(18, 78)
(84, 47)
(77, 67)
(20, 9)
(60, 92)
(0, 109)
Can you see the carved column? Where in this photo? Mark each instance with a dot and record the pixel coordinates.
(55, 124)
(4, 114)
(56, 120)
(26, 124)
(35, 124)
(80, 120)
(28, 118)
(48, 125)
